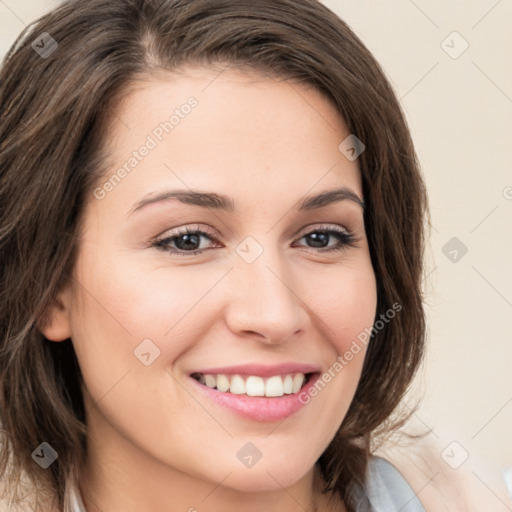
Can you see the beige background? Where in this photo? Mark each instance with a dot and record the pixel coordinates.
(460, 113)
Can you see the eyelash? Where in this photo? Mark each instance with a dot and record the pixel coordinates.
(347, 240)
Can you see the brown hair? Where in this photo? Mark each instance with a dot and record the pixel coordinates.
(54, 109)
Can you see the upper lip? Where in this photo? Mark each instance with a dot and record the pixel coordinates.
(260, 369)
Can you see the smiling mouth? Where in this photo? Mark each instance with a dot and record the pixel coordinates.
(254, 385)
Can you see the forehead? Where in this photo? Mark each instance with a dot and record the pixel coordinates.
(246, 133)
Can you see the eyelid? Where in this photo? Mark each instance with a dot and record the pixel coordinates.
(321, 227)
(174, 232)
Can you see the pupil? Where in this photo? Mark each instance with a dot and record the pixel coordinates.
(194, 239)
(316, 237)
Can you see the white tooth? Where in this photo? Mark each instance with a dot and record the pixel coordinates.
(274, 386)
(222, 382)
(255, 386)
(288, 384)
(210, 381)
(298, 380)
(237, 385)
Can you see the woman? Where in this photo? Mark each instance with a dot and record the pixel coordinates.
(211, 243)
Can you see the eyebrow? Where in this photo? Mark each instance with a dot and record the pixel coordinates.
(222, 202)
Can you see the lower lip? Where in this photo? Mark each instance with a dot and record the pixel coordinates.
(258, 408)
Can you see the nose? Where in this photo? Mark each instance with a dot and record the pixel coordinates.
(264, 301)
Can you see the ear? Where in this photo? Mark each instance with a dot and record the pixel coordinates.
(56, 325)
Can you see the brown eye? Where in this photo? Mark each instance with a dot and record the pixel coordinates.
(319, 239)
(184, 242)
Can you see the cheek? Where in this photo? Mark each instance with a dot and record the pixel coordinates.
(122, 302)
(348, 316)
(347, 305)
(119, 307)
(344, 303)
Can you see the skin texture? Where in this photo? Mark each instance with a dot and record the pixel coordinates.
(155, 443)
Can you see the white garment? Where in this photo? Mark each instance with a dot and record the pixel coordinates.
(385, 490)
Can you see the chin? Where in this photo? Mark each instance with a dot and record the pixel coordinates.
(267, 477)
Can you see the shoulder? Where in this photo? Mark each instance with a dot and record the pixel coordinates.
(472, 487)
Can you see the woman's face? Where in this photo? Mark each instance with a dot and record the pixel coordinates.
(275, 290)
